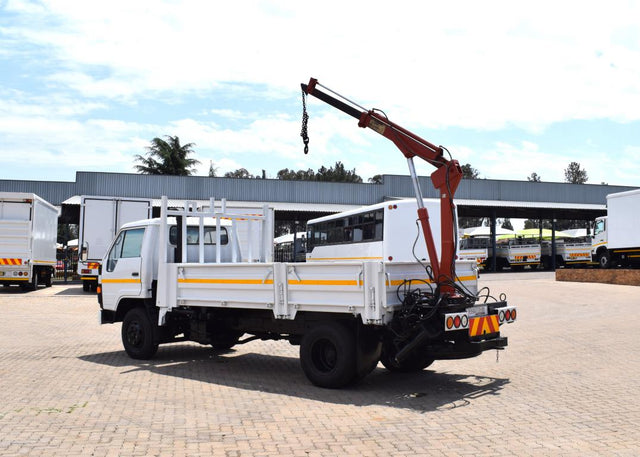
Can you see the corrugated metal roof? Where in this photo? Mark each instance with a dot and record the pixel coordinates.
(521, 204)
(305, 192)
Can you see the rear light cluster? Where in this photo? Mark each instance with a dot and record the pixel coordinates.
(506, 315)
(85, 271)
(20, 273)
(460, 321)
(457, 321)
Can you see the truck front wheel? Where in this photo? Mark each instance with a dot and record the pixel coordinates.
(328, 355)
(138, 335)
(604, 259)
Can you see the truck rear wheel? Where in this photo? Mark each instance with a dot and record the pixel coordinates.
(138, 336)
(328, 355)
(35, 281)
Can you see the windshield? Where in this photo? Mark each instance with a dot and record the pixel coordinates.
(600, 227)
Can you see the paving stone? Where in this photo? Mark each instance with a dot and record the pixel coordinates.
(566, 385)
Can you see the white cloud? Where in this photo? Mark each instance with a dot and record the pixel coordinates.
(429, 65)
(459, 64)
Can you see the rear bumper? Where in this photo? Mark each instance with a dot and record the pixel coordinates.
(467, 349)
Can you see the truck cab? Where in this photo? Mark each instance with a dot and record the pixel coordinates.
(599, 251)
(130, 267)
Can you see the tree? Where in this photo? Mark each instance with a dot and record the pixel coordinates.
(167, 158)
(376, 179)
(337, 173)
(506, 224)
(239, 173)
(534, 177)
(574, 174)
(300, 175)
(468, 172)
(212, 170)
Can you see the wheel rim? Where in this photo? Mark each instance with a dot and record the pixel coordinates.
(135, 334)
(324, 355)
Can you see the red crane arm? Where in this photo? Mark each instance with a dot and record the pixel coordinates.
(445, 178)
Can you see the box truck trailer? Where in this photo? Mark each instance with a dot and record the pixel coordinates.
(100, 219)
(28, 233)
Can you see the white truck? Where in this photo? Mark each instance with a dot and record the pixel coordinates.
(100, 219)
(616, 239)
(346, 316)
(477, 249)
(569, 252)
(518, 253)
(510, 253)
(28, 233)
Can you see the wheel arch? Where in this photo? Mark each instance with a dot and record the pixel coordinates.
(127, 304)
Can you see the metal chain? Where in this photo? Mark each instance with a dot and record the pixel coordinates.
(305, 122)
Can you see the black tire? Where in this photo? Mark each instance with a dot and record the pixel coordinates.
(416, 361)
(35, 281)
(368, 353)
(328, 355)
(138, 336)
(604, 259)
(86, 287)
(48, 279)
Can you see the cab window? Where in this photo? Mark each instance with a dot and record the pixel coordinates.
(193, 235)
(128, 244)
(599, 228)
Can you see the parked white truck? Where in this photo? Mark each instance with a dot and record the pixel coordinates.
(28, 233)
(510, 253)
(346, 316)
(100, 219)
(616, 239)
(569, 252)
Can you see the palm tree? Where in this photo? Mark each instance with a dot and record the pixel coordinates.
(171, 158)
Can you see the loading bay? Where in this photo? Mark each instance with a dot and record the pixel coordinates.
(567, 385)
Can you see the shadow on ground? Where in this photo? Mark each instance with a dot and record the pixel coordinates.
(75, 290)
(424, 391)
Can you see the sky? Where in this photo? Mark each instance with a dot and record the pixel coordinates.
(512, 88)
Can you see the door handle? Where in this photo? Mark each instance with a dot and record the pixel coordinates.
(135, 274)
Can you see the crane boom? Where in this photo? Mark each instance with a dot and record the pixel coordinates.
(445, 179)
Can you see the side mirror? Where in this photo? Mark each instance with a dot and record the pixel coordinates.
(84, 252)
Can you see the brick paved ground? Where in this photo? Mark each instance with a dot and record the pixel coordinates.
(567, 385)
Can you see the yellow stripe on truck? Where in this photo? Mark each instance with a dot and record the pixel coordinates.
(323, 282)
(397, 282)
(120, 281)
(303, 282)
(320, 259)
(224, 281)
